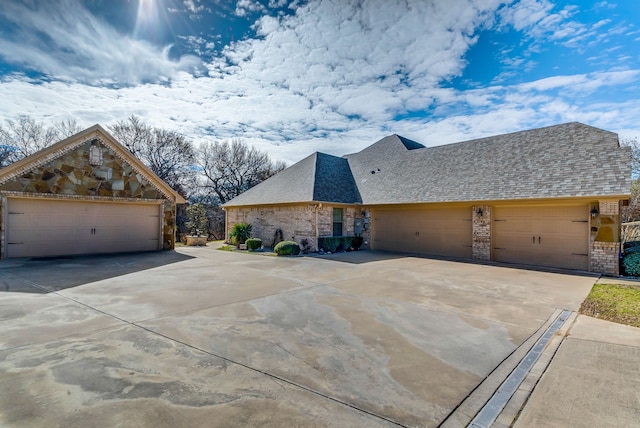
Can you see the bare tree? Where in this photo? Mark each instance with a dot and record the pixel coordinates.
(632, 211)
(24, 136)
(66, 128)
(232, 168)
(168, 154)
(635, 153)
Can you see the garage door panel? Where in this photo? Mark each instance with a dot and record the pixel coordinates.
(58, 227)
(433, 231)
(556, 236)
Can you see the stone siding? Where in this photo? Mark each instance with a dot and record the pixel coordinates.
(604, 258)
(481, 230)
(297, 222)
(71, 175)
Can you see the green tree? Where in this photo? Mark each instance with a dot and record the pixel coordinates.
(197, 222)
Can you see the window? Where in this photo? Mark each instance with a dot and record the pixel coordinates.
(95, 155)
(337, 222)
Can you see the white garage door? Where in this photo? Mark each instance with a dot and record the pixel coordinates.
(432, 231)
(542, 236)
(42, 227)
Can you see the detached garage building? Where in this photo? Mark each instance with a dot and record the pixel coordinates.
(86, 194)
(545, 197)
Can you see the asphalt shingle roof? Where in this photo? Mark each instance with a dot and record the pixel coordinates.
(317, 178)
(567, 160)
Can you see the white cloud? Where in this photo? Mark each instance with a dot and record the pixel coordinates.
(65, 41)
(192, 7)
(332, 77)
(243, 7)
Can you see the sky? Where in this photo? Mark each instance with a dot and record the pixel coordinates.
(293, 76)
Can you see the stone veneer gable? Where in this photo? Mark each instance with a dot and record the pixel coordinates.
(68, 174)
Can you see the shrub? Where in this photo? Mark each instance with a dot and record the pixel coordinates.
(253, 244)
(330, 243)
(306, 246)
(356, 243)
(631, 247)
(240, 232)
(287, 248)
(340, 243)
(631, 264)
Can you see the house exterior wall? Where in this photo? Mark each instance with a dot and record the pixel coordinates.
(72, 176)
(297, 222)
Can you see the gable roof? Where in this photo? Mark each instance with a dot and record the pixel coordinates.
(561, 161)
(68, 144)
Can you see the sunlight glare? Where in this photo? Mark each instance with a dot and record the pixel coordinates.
(146, 18)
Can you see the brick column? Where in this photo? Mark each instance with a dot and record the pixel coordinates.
(481, 232)
(604, 258)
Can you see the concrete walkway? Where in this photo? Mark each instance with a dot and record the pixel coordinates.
(592, 381)
(200, 337)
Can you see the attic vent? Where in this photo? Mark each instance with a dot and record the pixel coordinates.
(95, 155)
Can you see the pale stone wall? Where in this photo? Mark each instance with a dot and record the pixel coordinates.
(605, 227)
(481, 230)
(297, 222)
(604, 258)
(72, 176)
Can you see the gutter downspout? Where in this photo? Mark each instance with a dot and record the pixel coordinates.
(226, 223)
(316, 207)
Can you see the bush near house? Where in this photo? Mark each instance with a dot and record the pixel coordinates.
(253, 244)
(631, 264)
(287, 248)
(240, 232)
(631, 258)
(340, 243)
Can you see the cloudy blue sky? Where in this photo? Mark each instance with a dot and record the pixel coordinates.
(295, 76)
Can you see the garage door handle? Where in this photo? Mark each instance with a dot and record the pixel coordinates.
(538, 239)
(533, 239)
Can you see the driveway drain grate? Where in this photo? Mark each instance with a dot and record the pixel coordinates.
(491, 410)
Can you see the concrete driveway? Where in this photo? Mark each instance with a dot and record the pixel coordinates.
(200, 337)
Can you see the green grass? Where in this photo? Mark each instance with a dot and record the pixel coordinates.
(614, 302)
(234, 249)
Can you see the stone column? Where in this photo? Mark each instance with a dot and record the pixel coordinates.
(481, 232)
(605, 239)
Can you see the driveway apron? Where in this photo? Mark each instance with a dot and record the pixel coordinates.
(226, 339)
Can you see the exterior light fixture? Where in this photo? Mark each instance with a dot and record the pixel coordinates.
(480, 212)
(594, 212)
